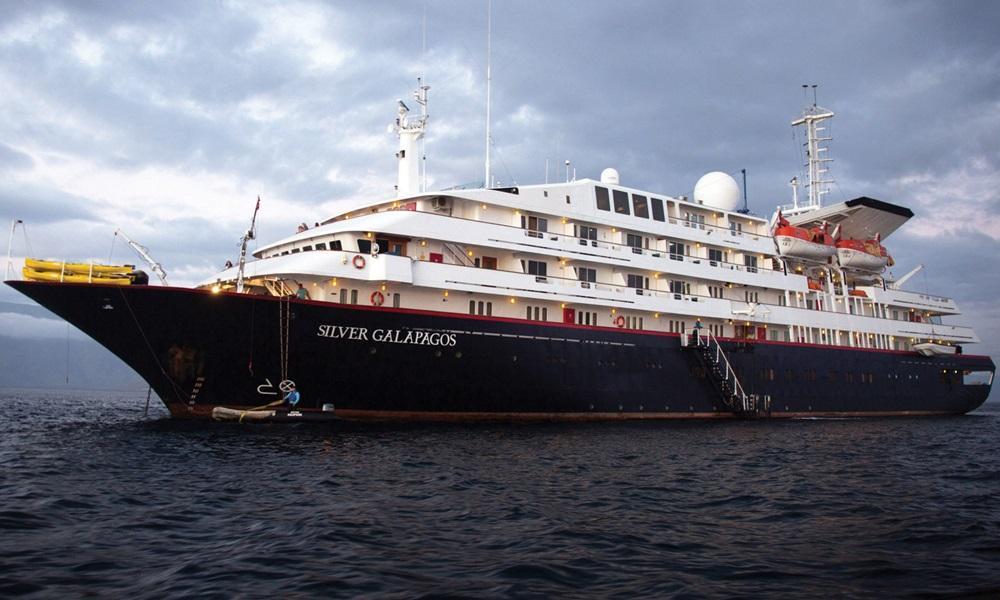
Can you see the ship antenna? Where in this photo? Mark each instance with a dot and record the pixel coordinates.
(746, 207)
(489, 79)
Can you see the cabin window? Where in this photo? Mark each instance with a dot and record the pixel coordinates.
(534, 225)
(489, 262)
(354, 296)
(677, 250)
(343, 295)
(635, 241)
(735, 228)
(336, 245)
(749, 296)
(307, 248)
(586, 233)
(321, 246)
(364, 246)
(536, 313)
(586, 274)
(750, 262)
(634, 281)
(714, 256)
(586, 318)
(657, 205)
(535, 267)
(715, 291)
(395, 300)
(481, 308)
(680, 287)
(603, 202)
(639, 206)
(621, 202)
(295, 250)
(694, 220)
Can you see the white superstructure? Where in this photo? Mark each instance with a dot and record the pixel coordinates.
(598, 253)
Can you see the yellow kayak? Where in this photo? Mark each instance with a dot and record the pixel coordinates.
(78, 268)
(68, 276)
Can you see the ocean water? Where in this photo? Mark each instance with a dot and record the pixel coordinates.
(95, 499)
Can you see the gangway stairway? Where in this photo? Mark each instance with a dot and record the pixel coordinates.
(720, 373)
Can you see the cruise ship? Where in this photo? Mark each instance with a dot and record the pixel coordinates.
(584, 299)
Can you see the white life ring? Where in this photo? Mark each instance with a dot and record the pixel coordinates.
(377, 298)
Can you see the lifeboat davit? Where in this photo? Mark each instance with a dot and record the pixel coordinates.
(798, 242)
(864, 255)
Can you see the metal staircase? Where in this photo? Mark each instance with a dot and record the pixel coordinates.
(722, 376)
(277, 287)
(459, 255)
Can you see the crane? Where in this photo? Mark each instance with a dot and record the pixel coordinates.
(143, 253)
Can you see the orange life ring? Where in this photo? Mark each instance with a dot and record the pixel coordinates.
(377, 298)
(359, 261)
(620, 321)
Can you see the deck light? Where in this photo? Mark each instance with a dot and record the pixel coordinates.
(513, 300)
(216, 288)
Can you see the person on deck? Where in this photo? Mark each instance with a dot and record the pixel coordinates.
(292, 397)
(302, 293)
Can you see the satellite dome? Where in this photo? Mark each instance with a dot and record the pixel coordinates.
(609, 176)
(718, 190)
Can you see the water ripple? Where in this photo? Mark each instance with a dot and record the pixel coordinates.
(95, 500)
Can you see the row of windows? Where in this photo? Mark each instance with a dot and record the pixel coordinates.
(809, 375)
(481, 308)
(344, 293)
(334, 245)
(641, 205)
(534, 313)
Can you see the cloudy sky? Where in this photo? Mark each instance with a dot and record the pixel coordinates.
(167, 119)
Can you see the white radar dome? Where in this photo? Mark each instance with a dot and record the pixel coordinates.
(718, 190)
(609, 176)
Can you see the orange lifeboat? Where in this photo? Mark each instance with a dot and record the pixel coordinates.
(864, 255)
(815, 285)
(799, 242)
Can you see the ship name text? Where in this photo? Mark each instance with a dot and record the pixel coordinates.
(388, 336)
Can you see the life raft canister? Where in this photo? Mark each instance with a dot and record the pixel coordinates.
(377, 298)
(620, 321)
(359, 261)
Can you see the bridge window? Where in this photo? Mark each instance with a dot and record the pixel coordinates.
(639, 206)
(603, 202)
(621, 202)
(657, 205)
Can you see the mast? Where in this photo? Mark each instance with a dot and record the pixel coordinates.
(487, 183)
(812, 117)
(410, 132)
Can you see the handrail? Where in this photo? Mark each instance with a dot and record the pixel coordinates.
(599, 244)
(719, 354)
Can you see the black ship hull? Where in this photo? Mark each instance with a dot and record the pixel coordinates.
(199, 350)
